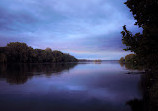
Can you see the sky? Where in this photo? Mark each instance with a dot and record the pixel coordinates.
(86, 29)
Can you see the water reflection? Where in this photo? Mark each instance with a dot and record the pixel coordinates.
(136, 104)
(86, 87)
(149, 89)
(148, 85)
(132, 66)
(20, 73)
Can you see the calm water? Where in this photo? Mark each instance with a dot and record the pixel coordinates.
(67, 87)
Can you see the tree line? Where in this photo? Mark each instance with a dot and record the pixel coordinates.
(16, 52)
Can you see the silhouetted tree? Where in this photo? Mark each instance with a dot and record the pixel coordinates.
(144, 11)
(144, 44)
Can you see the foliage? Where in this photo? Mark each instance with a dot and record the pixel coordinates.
(131, 62)
(3, 58)
(21, 53)
(122, 60)
(144, 11)
(131, 58)
(144, 44)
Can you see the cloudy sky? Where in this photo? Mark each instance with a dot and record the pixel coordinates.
(84, 28)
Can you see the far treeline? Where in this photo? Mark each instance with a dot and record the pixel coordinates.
(16, 52)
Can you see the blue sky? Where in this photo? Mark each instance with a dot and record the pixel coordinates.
(87, 29)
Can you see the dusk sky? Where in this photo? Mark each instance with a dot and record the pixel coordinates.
(87, 29)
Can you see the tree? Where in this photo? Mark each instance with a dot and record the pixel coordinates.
(49, 54)
(22, 53)
(48, 49)
(122, 60)
(3, 58)
(144, 11)
(17, 52)
(130, 58)
(144, 45)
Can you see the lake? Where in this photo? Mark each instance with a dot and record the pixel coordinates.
(84, 86)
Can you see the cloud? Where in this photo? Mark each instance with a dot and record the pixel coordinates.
(80, 26)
